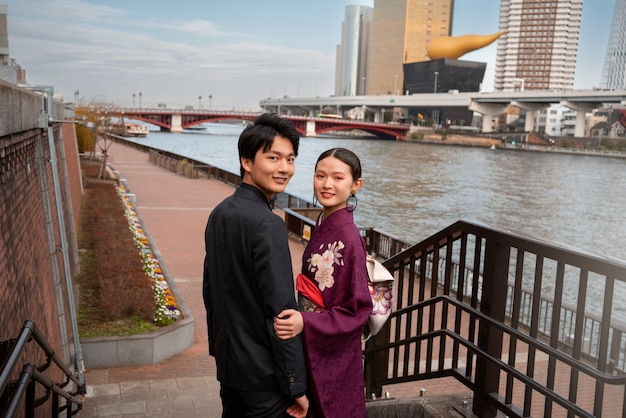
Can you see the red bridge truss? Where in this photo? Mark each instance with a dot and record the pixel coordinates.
(175, 120)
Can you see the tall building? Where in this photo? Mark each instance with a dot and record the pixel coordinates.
(8, 66)
(614, 69)
(5, 61)
(352, 59)
(401, 31)
(538, 50)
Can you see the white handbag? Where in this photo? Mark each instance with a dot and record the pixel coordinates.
(381, 290)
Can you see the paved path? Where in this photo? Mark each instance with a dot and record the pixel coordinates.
(175, 210)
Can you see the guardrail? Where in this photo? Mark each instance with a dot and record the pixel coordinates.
(14, 392)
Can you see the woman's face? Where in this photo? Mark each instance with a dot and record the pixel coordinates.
(333, 184)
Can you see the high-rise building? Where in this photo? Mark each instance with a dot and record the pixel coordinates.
(8, 71)
(538, 50)
(4, 36)
(352, 58)
(401, 31)
(614, 69)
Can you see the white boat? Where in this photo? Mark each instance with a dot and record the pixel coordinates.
(135, 129)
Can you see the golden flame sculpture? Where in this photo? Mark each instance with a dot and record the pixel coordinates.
(453, 47)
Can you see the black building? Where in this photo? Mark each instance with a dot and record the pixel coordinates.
(444, 76)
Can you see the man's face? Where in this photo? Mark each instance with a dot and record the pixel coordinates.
(271, 170)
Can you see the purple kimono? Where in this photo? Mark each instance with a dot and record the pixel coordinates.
(334, 260)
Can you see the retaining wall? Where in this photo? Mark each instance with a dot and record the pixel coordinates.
(32, 267)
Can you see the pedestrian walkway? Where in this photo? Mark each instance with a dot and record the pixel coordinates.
(175, 210)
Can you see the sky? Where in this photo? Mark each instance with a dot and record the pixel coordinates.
(238, 51)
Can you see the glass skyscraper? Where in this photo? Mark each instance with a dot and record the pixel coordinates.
(401, 31)
(352, 54)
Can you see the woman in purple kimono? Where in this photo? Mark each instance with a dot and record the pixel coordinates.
(334, 295)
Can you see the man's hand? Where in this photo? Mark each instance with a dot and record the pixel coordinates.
(288, 324)
(299, 408)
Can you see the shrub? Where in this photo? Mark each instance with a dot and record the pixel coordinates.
(118, 284)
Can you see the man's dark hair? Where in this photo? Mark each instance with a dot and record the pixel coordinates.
(261, 136)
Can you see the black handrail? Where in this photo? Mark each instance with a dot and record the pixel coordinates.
(15, 390)
(489, 268)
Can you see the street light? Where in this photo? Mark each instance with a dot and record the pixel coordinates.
(139, 100)
(436, 74)
(210, 97)
(199, 101)
(133, 100)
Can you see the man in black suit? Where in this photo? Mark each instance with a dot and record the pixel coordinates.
(248, 279)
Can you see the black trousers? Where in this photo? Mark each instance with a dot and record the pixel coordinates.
(240, 404)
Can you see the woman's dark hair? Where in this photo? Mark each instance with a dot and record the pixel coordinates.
(346, 156)
(261, 136)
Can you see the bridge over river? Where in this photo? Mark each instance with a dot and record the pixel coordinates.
(176, 120)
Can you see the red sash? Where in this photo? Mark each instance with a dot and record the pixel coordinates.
(309, 290)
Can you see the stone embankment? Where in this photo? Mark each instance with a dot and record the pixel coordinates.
(452, 139)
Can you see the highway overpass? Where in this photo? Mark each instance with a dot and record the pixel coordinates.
(489, 105)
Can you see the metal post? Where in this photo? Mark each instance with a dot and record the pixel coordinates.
(493, 304)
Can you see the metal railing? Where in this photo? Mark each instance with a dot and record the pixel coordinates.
(503, 343)
(591, 320)
(21, 393)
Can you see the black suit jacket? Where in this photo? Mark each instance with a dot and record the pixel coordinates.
(248, 279)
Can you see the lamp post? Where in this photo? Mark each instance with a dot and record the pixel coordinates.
(395, 84)
(140, 100)
(133, 100)
(436, 74)
(76, 93)
(199, 101)
(210, 97)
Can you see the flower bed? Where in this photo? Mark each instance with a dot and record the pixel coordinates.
(167, 310)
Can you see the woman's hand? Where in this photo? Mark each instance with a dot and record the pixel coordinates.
(288, 324)
(299, 407)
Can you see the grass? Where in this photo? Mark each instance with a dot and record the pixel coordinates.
(115, 295)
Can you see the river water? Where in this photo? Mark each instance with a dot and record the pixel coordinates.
(411, 191)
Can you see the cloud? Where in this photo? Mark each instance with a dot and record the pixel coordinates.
(107, 52)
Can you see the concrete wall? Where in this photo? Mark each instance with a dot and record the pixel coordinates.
(32, 268)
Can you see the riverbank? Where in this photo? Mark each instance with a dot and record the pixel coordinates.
(454, 139)
(485, 142)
